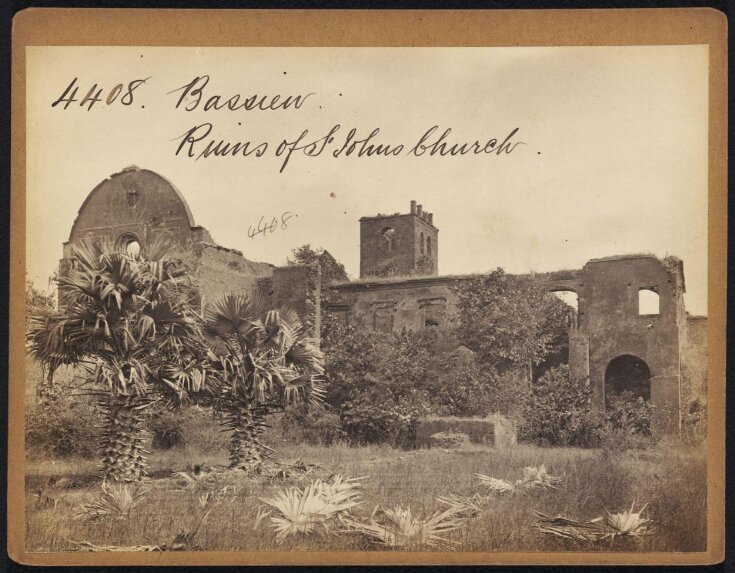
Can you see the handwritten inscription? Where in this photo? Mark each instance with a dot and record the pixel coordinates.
(197, 143)
(122, 93)
(193, 94)
(201, 141)
(265, 227)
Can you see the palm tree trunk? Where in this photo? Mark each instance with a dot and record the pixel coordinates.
(122, 440)
(247, 452)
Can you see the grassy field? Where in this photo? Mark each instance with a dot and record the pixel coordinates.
(671, 480)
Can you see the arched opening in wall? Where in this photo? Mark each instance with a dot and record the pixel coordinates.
(428, 246)
(422, 246)
(648, 302)
(133, 248)
(389, 237)
(569, 297)
(629, 375)
(130, 244)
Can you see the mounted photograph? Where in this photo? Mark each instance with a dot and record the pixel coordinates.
(361, 301)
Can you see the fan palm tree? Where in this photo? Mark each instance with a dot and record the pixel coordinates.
(125, 319)
(262, 357)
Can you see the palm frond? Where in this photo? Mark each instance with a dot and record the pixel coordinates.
(398, 527)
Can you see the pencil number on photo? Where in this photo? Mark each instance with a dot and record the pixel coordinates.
(264, 227)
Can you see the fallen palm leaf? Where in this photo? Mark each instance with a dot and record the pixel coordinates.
(534, 477)
(628, 523)
(495, 484)
(538, 478)
(462, 506)
(566, 528)
(397, 527)
(114, 502)
(87, 546)
(182, 542)
(316, 507)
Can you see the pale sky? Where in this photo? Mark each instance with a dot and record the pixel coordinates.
(614, 161)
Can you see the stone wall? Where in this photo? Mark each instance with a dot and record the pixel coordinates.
(404, 256)
(395, 304)
(608, 326)
(133, 204)
(216, 270)
(298, 287)
(694, 356)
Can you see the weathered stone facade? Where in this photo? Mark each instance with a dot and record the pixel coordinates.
(616, 341)
(399, 245)
(137, 205)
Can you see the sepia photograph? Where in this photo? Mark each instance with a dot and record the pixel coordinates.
(390, 299)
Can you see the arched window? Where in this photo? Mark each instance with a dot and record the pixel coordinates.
(648, 302)
(389, 235)
(428, 246)
(421, 246)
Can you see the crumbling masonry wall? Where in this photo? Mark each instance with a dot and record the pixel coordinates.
(141, 206)
(609, 324)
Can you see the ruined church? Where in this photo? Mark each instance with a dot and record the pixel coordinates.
(631, 330)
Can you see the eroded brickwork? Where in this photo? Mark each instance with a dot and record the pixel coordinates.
(611, 325)
(614, 336)
(399, 245)
(137, 205)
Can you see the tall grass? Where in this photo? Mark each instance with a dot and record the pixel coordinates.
(670, 480)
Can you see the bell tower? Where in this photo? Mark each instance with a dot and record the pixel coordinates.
(399, 244)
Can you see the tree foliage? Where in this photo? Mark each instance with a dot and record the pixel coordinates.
(126, 320)
(509, 322)
(332, 270)
(558, 411)
(261, 356)
(377, 382)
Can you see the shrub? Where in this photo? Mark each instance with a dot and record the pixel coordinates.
(317, 426)
(463, 389)
(377, 381)
(166, 429)
(627, 412)
(61, 427)
(558, 411)
(374, 417)
(694, 420)
(189, 426)
(626, 423)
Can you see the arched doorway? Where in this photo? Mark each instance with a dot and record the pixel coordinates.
(627, 373)
(130, 243)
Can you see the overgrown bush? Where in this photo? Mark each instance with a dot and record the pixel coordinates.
(374, 417)
(167, 429)
(380, 382)
(558, 411)
(626, 423)
(191, 426)
(316, 426)
(62, 427)
(461, 388)
(377, 381)
(694, 420)
(625, 411)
